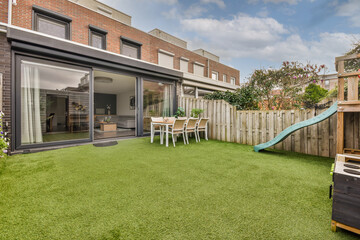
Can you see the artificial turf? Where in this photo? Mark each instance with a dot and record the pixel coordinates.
(138, 190)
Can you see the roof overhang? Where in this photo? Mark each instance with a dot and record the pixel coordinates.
(199, 81)
(28, 40)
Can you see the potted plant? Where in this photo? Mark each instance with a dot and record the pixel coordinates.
(180, 112)
(195, 112)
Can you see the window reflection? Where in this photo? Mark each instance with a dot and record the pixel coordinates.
(158, 101)
(54, 103)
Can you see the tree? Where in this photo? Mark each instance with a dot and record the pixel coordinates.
(352, 65)
(313, 95)
(289, 80)
(244, 98)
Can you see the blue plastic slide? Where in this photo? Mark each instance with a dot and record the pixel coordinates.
(319, 118)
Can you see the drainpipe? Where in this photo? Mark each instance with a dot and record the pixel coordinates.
(208, 68)
(10, 3)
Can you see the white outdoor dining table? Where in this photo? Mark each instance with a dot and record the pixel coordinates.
(162, 124)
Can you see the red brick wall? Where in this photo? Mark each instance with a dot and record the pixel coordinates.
(82, 17)
(3, 11)
(5, 69)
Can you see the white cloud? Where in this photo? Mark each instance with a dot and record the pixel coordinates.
(220, 3)
(263, 12)
(350, 9)
(245, 37)
(291, 2)
(242, 29)
(168, 2)
(194, 11)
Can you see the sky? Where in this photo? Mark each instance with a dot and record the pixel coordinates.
(254, 34)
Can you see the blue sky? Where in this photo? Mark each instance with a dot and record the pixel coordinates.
(253, 34)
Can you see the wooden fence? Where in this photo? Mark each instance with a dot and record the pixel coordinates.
(255, 127)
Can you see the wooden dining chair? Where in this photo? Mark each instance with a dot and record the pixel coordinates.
(156, 128)
(202, 127)
(191, 128)
(178, 128)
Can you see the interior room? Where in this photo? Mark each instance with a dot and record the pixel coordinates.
(114, 105)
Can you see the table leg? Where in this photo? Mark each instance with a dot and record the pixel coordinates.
(151, 133)
(161, 134)
(167, 135)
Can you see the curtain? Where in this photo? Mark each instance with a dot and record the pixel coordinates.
(30, 105)
(167, 101)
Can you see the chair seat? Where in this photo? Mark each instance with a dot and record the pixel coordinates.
(178, 130)
(190, 130)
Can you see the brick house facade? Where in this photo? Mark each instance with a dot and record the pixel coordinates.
(31, 56)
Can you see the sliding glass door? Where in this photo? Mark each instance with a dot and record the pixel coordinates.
(54, 102)
(158, 101)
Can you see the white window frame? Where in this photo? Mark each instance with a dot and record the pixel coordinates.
(216, 74)
(233, 80)
(224, 78)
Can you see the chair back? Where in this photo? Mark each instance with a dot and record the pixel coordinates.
(182, 118)
(179, 124)
(203, 122)
(191, 123)
(157, 119)
(169, 119)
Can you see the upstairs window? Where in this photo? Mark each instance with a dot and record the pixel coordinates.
(130, 48)
(199, 68)
(50, 22)
(165, 59)
(232, 80)
(224, 78)
(215, 75)
(184, 64)
(97, 37)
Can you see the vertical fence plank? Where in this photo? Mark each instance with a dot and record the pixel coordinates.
(250, 128)
(279, 127)
(263, 126)
(244, 127)
(218, 119)
(223, 120)
(297, 139)
(228, 122)
(238, 126)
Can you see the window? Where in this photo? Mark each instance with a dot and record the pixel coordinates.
(232, 80)
(97, 37)
(52, 23)
(165, 59)
(130, 48)
(189, 91)
(215, 75)
(199, 68)
(54, 102)
(327, 84)
(184, 64)
(224, 78)
(158, 101)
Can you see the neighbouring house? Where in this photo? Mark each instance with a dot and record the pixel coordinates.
(77, 71)
(329, 81)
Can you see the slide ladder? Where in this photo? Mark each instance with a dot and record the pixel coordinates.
(319, 118)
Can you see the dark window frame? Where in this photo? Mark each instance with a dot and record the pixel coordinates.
(131, 43)
(40, 12)
(100, 32)
(16, 128)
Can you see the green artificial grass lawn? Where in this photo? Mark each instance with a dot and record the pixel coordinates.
(138, 190)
